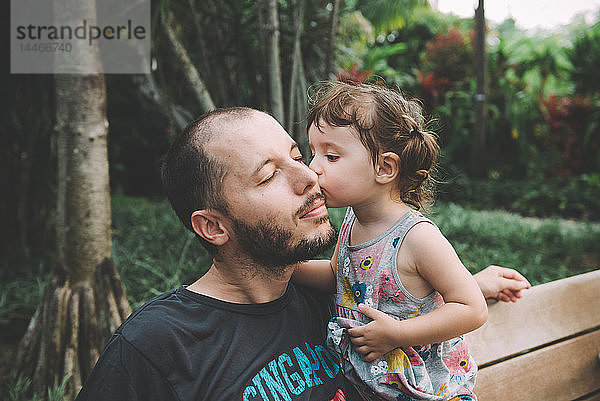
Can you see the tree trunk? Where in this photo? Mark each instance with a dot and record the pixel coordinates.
(302, 111)
(216, 74)
(274, 66)
(190, 71)
(478, 156)
(298, 18)
(84, 301)
(177, 116)
(332, 32)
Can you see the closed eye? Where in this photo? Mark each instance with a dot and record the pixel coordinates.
(268, 179)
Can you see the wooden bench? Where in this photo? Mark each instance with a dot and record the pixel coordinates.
(544, 347)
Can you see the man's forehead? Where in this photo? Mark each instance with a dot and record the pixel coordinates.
(251, 141)
(250, 130)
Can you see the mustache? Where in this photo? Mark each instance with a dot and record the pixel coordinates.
(309, 203)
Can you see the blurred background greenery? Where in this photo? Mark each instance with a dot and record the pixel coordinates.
(536, 207)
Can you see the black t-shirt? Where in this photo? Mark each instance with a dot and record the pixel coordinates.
(185, 346)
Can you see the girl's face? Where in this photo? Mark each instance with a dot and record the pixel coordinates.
(343, 165)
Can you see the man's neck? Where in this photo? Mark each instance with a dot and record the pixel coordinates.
(241, 284)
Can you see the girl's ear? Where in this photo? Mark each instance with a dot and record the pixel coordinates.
(387, 168)
(208, 224)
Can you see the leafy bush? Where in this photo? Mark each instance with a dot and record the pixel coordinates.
(585, 58)
(559, 197)
(152, 250)
(18, 389)
(573, 124)
(543, 250)
(447, 64)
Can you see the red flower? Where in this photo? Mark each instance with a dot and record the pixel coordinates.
(458, 361)
(354, 76)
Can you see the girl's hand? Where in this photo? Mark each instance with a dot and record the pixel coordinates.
(501, 283)
(376, 338)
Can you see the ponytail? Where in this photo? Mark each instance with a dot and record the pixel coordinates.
(418, 159)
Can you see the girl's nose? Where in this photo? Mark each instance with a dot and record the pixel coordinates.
(315, 166)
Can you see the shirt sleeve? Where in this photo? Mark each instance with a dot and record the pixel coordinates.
(123, 374)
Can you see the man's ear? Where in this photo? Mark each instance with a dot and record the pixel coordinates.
(387, 168)
(208, 224)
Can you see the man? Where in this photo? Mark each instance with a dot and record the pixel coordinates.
(242, 331)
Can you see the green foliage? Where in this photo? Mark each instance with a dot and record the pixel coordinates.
(585, 58)
(152, 250)
(543, 250)
(576, 197)
(536, 126)
(22, 280)
(27, 162)
(136, 145)
(376, 59)
(336, 216)
(57, 392)
(18, 389)
(573, 133)
(387, 15)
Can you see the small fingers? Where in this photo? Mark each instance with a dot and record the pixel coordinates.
(514, 275)
(502, 297)
(356, 331)
(363, 350)
(370, 357)
(506, 296)
(358, 341)
(510, 294)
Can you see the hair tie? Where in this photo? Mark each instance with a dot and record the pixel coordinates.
(415, 133)
(423, 173)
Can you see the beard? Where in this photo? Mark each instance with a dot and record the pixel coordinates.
(271, 246)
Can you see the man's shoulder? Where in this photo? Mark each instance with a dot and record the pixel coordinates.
(150, 322)
(310, 293)
(319, 303)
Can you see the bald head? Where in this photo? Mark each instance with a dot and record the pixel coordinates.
(216, 124)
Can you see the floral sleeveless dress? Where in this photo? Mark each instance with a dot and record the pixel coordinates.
(367, 273)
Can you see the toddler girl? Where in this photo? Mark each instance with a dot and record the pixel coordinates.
(404, 299)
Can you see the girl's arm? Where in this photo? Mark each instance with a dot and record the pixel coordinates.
(319, 274)
(437, 263)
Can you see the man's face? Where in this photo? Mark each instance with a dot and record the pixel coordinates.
(276, 211)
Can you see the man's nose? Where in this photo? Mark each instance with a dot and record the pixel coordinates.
(304, 180)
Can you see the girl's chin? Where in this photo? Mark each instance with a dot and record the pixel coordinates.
(331, 203)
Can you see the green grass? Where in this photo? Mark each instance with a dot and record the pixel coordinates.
(152, 250)
(541, 249)
(18, 390)
(154, 253)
